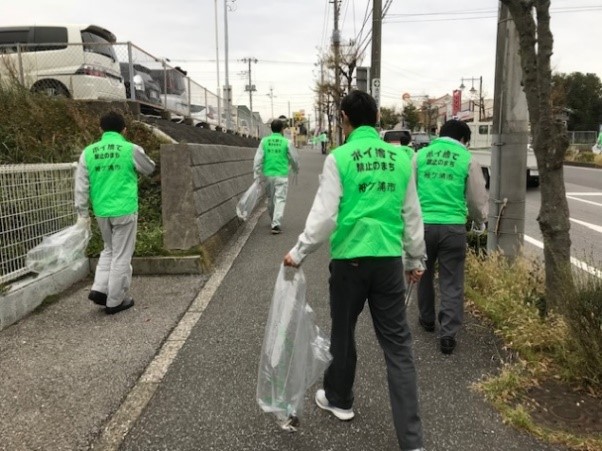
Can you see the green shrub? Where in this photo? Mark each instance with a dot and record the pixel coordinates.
(40, 129)
(585, 157)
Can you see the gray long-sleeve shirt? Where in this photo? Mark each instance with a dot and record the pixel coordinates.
(143, 164)
(322, 219)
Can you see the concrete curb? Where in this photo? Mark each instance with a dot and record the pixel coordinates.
(582, 165)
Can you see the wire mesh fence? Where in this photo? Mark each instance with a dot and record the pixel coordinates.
(36, 200)
(84, 66)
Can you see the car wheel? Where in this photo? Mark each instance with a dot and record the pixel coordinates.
(51, 88)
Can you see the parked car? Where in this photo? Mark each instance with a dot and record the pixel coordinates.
(420, 140)
(394, 136)
(172, 83)
(69, 61)
(146, 89)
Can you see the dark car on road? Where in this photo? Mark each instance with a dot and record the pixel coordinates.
(146, 89)
(394, 136)
(420, 140)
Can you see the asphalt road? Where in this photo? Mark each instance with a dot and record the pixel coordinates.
(584, 194)
(207, 399)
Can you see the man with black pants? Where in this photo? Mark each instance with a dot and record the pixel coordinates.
(107, 174)
(367, 205)
(448, 181)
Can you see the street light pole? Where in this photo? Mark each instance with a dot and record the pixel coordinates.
(228, 88)
(473, 90)
(219, 103)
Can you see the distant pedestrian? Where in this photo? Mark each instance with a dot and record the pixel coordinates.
(107, 176)
(323, 138)
(448, 180)
(368, 207)
(273, 159)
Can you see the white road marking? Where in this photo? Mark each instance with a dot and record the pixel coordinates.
(586, 193)
(121, 422)
(594, 227)
(585, 201)
(577, 263)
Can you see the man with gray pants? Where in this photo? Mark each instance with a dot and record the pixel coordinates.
(448, 181)
(274, 156)
(107, 175)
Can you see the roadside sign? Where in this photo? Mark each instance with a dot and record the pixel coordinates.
(376, 91)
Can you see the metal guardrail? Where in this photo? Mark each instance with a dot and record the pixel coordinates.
(121, 71)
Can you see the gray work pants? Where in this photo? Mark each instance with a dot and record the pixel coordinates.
(114, 270)
(276, 191)
(380, 281)
(445, 245)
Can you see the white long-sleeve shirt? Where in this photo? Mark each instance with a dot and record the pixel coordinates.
(322, 219)
(293, 158)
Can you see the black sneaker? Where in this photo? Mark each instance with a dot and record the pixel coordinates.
(276, 230)
(429, 327)
(98, 297)
(126, 304)
(448, 344)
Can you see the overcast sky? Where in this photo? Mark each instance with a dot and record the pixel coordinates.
(428, 46)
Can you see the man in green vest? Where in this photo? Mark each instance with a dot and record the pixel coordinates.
(274, 156)
(448, 181)
(368, 207)
(107, 175)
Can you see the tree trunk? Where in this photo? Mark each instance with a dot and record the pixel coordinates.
(549, 142)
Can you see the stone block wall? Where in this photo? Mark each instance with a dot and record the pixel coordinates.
(201, 185)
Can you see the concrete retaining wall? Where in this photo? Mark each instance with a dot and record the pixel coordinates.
(26, 295)
(201, 185)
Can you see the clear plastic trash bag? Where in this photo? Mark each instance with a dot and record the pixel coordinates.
(59, 249)
(295, 352)
(249, 199)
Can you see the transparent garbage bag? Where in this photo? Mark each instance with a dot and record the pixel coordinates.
(295, 352)
(249, 199)
(59, 249)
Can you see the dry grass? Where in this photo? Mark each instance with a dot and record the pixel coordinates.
(564, 345)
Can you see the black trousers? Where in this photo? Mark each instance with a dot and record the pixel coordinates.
(380, 282)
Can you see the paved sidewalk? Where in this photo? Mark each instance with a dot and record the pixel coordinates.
(66, 370)
(67, 367)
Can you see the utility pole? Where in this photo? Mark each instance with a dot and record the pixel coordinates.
(321, 96)
(336, 46)
(228, 88)
(219, 102)
(250, 87)
(377, 15)
(506, 221)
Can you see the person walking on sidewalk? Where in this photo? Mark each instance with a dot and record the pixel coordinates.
(448, 181)
(368, 206)
(106, 175)
(274, 156)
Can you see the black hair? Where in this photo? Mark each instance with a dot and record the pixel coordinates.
(112, 122)
(458, 130)
(277, 125)
(404, 139)
(360, 108)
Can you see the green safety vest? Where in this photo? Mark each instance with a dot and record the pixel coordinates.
(113, 177)
(441, 172)
(409, 151)
(275, 155)
(374, 177)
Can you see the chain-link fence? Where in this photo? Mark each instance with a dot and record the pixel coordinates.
(84, 64)
(583, 137)
(35, 200)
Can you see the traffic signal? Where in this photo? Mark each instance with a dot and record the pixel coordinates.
(362, 73)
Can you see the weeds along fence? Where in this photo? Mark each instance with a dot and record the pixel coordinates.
(35, 200)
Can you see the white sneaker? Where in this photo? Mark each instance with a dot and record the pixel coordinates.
(341, 414)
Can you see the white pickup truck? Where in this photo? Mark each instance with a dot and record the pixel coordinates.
(480, 147)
